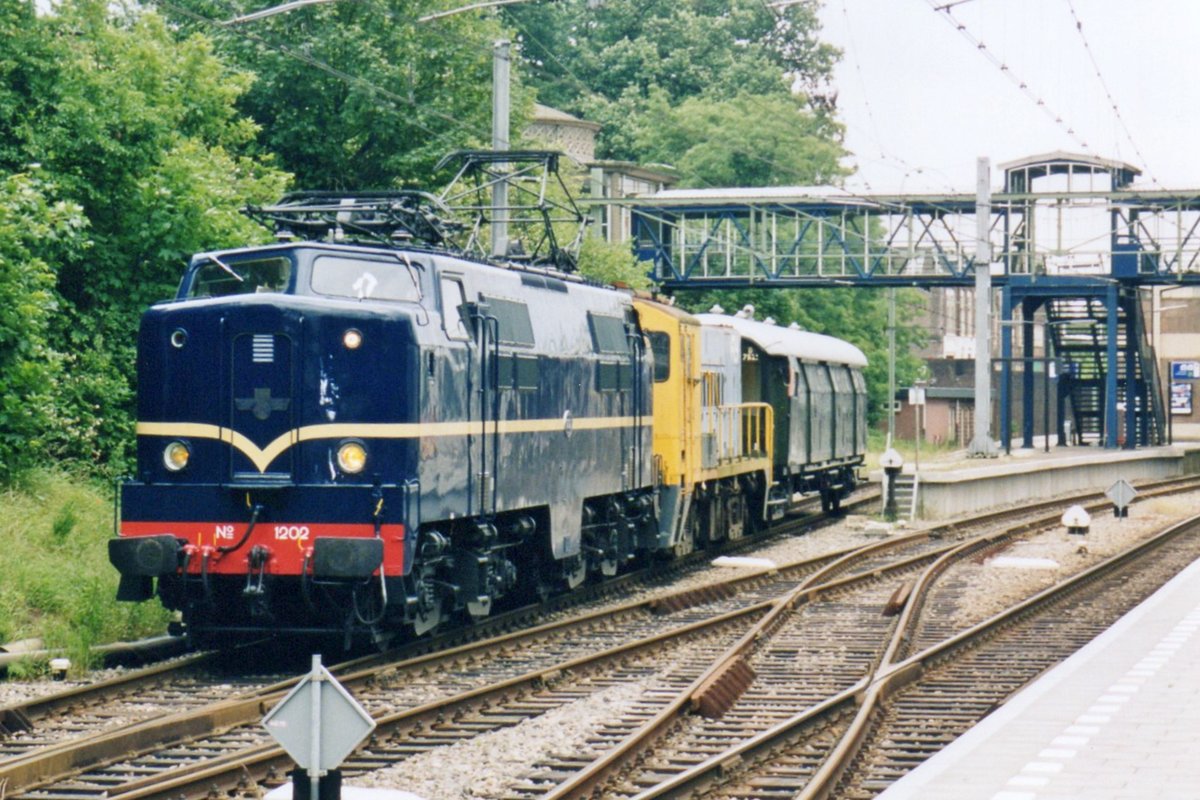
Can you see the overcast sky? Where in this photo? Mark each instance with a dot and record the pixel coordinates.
(921, 102)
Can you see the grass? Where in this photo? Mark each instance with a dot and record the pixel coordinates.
(877, 443)
(56, 583)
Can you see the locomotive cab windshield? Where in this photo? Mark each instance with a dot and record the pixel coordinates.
(216, 277)
(359, 279)
(358, 276)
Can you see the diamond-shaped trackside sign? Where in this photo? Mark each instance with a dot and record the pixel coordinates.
(1121, 493)
(318, 723)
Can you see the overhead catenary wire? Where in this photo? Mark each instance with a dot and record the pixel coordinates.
(885, 155)
(1108, 93)
(945, 11)
(353, 80)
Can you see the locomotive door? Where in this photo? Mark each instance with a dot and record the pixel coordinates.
(483, 407)
(637, 395)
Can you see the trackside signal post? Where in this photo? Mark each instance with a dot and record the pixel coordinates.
(318, 724)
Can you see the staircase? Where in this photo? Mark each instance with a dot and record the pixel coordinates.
(906, 496)
(1078, 327)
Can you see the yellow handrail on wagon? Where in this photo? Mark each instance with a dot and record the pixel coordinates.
(740, 433)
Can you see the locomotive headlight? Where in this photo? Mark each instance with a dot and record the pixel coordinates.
(352, 339)
(176, 455)
(351, 457)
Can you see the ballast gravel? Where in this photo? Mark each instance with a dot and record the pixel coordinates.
(1020, 570)
(483, 766)
(20, 691)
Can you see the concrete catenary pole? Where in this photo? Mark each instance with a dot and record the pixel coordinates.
(982, 444)
(500, 103)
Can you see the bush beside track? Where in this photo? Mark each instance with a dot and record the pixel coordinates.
(56, 583)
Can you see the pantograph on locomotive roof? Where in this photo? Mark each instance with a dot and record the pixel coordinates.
(539, 210)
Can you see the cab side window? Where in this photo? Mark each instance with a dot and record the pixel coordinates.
(453, 298)
(660, 345)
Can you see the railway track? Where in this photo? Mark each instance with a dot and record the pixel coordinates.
(924, 695)
(53, 736)
(906, 708)
(436, 699)
(197, 680)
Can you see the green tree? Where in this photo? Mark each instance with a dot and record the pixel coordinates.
(31, 228)
(614, 62)
(139, 129)
(711, 142)
(363, 94)
(612, 264)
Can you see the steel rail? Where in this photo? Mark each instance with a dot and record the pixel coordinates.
(900, 675)
(591, 777)
(251, 707)
(55, 761)
(838, 574)
(22, 716)
(895, 671)
(199, 777)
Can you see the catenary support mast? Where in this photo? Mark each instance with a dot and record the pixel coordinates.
(982, 444)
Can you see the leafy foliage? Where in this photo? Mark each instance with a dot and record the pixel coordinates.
(617, 62)
(31, 229)
(711, 142)
(612, 264)
(50, 520)
(362, 95)
(138, 130)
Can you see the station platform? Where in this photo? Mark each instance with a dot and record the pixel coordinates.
(954, 484)
(1119, 720)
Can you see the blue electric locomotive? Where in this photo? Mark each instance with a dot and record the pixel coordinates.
(360, 438)
(352, 440)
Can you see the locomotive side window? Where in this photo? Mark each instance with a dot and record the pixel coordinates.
(660, 345)
(452, 301)
(608, 334)
(362, 279)
(519, 372)
(513, 319)
(527, 373)
(220, 278)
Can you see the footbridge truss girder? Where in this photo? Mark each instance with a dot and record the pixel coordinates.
(809, 237)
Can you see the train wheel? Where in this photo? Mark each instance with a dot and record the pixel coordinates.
(831, 502)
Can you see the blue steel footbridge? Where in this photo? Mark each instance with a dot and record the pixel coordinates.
(1075, 246)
